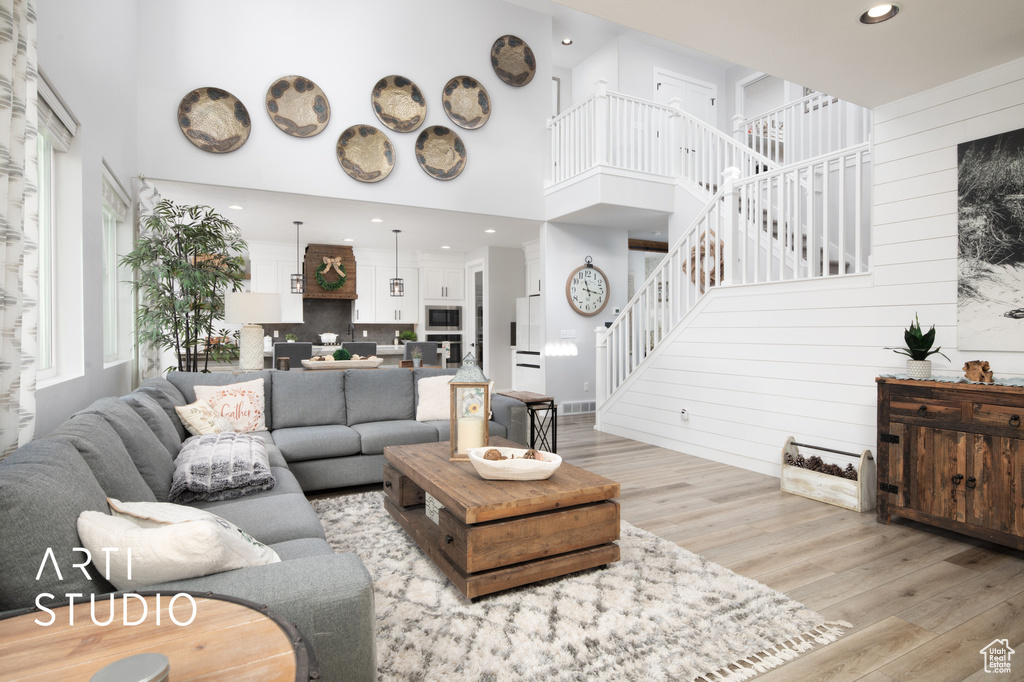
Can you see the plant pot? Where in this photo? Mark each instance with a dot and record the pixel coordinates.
(416, 362)
(919, 369)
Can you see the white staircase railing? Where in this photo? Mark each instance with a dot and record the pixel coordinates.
(800, 222)
(612, 130)
(806, 128)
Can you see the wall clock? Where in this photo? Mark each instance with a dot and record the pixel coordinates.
(587, 289)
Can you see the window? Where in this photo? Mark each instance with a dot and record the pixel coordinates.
(117, 326)
(59, 240)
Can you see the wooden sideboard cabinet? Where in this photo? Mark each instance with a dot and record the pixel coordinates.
(952, 455)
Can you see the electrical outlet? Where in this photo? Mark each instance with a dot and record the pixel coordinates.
(364, 333)
(275, 333)
(586, 386)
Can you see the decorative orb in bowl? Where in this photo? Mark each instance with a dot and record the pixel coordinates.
(514, 467)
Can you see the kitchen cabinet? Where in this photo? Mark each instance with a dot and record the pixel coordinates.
(443, 283)
(388, 308)
(952, 455)
(364, 312)
(275, 277)
(533, 277)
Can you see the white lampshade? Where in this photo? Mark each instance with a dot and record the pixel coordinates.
(243, 307)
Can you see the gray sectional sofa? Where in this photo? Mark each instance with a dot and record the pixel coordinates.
(326, 429)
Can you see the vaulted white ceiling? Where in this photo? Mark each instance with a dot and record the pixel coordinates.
(822, 44)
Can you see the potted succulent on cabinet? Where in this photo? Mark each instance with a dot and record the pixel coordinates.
(918, 350)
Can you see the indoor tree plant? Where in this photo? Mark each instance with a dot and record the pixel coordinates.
(185, 260)
(919, 349)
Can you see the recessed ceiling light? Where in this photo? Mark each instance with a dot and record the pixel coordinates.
(490, 231)
(376, 220)
(879, 13)
(567, 41)
(236, 207)
(349, 239)
(446, 247)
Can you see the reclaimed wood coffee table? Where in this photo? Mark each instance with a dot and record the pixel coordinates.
(488, 536)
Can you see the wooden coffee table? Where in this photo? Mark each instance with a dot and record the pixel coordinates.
(488, 536)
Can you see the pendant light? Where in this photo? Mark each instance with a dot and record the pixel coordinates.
(397, 283)
(299, 278)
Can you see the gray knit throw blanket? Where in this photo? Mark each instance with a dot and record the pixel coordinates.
(220, 466)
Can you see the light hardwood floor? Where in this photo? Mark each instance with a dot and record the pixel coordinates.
(923, 602)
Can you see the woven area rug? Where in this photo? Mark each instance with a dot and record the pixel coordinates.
(661, 613)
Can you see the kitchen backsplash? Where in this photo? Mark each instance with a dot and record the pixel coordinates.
(327, 315)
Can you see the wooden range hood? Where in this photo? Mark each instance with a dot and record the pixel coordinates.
(314, 258)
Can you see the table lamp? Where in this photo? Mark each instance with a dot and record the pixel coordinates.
(251, 310)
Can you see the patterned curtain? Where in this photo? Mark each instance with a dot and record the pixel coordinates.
(147, 357)
(19, 223)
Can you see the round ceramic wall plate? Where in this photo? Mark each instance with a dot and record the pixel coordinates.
(513, 61)
(214, 120)
(298, 106)
(440, 153)
(365, 153)
(399, 104)
(466, 102)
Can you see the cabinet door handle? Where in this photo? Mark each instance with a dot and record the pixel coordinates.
(922, 410)
(972, 482)
(957, 478)
(1015, 421)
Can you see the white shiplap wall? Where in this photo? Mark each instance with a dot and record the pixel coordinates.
(753, 365)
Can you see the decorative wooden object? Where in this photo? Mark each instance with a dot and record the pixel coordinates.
(858, 496)
(488, 536)
(978, 370)
(952, 455)
(314, 258)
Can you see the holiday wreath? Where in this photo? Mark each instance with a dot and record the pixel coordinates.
(328, 264)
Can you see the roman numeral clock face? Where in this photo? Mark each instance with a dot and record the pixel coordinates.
(587, 290)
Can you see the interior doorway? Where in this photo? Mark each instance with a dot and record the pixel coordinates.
(699, 98)
(478, 316)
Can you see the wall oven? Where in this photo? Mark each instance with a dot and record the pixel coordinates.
(443, 318)
(456, 346)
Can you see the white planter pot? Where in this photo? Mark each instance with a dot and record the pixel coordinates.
(416, 362)
(919, 369)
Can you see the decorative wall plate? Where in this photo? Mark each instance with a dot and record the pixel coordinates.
(513, 61)
(466, 102)
(365, 153)
(298, 106)
(440, 153)
(214, 120)
(399, 104)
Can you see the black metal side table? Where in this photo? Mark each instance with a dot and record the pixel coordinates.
(543, 419)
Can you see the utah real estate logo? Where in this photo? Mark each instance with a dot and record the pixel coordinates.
(997, 656)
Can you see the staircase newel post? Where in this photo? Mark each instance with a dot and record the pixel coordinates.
(601, 375)
(731, 227)
(601, 121)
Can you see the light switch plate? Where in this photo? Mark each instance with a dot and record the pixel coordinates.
(568, 333)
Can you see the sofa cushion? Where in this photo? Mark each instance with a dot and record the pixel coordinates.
(433, 398)
(379, 395)
(105, 454)
(376, 435)
(270, 518)
(316, 442)
(168, 397)
(156, 419)
(200, 419)
(150, 456)
(303, 547)
(444, 429)
(186, 382)
(308, 398)
(426, 373)
(167, 542)
(44, 486)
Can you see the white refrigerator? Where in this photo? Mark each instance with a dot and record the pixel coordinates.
(528, 355)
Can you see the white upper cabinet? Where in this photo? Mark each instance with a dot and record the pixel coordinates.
(402, 309)
(364, 311)
(439, 283)
(274, 277)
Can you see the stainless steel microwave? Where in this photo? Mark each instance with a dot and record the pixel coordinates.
(443, 318)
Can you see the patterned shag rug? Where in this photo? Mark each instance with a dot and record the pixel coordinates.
(661, 613)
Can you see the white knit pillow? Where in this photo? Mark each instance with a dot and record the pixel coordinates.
(168, 542)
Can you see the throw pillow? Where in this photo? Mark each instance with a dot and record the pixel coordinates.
(167, 541)
(241, 403)
(220, 466)
(435, 399)
(200, 419)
